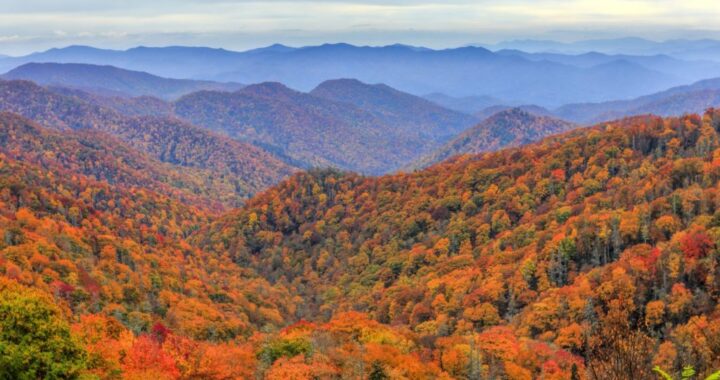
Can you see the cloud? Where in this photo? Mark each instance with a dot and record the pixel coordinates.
(450, 22)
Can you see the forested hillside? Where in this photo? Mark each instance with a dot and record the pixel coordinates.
(595, 250)
(232, 169)
(310, 131)
(92, 236)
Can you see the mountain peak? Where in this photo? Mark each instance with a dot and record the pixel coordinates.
(510, 127)
(268, 89)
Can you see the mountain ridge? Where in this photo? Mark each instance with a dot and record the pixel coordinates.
(456, 72)
(111, 80)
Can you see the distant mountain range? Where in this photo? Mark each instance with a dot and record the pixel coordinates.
(466, 104)
(460, 72)
(676, 101)
(699, 49)
(683, 69)
(111, 80)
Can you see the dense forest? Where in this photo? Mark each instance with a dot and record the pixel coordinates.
(589, 255)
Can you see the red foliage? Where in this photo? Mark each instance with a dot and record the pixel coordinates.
(696, 244)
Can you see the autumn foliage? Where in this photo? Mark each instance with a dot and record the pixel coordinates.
(592, 254)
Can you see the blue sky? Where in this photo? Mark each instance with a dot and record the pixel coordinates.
(30, 25)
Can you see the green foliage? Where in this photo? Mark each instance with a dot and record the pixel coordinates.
(35, 340)
(279, 348)
(687, 373)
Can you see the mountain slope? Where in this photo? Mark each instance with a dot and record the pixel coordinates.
(380, 133)
(127, 106)
(238, 169)
(509, 128)
(495, 265)
(88, 224)
(101, 157)
(93, 232)
(111, 80)
(308, 129)
(396, 108)
(611, 230)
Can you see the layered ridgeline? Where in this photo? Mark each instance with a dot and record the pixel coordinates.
(592, 251)
(307, 129)
(409, 113)
(345, 124)
(230, 170)
(675, 101)
(459, 72)
(693, 98)
(510, 128)
(111, 80)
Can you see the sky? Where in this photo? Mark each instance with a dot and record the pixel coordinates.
(33, 25)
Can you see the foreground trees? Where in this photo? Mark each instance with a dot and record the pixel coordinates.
(35, 338)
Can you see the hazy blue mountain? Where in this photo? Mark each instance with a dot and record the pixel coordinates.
(686, 49)
(460, 72)
(694, 98)
(688, 71)
(456, 72)
(171, 62)
(109, 80)
(466, 104)
(529, 108)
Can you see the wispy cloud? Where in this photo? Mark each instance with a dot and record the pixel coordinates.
(247, 23)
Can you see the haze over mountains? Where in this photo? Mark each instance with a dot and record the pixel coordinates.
(459, 72)
(699, 49)
(111, 80)
(693, 98)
